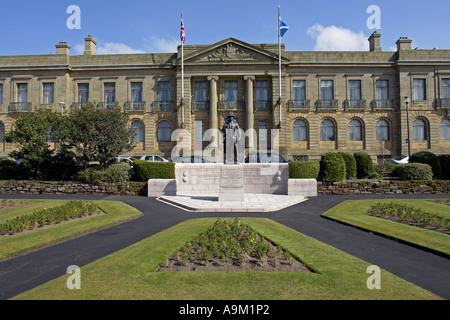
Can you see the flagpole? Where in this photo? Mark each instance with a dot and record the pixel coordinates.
(182, 77)
(279, 64)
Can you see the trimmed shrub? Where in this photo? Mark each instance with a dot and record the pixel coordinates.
(350, 165)
(445, 166)
(385, 169)
(332, 167)
(119, 172)
(413, 171)
(430, 159)
(8, 170)
(364, 165)
(145, 170)
(304, 169)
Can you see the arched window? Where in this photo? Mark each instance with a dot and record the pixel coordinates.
(138, 129)
(164, 131)
(299, 130)
(445, 129)
(382, 130)
(327, 130)
(354, 130)
(419, 130)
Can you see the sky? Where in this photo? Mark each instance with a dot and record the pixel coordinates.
(136, 26)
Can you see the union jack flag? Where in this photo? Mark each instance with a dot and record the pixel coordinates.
(182, 35)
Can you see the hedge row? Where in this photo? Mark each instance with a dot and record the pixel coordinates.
(144, 170)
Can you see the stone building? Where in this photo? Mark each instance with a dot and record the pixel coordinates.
(330, 101)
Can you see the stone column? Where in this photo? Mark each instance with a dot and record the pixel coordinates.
(213, 121)
(249, 108)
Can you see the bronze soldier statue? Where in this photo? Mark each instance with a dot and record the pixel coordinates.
(231, 137)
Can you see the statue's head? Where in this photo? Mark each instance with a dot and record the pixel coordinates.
(231, 115)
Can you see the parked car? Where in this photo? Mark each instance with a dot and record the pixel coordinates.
(193, 159)
(399, 160)
(265, 158)
(154, 158)
(129, 160)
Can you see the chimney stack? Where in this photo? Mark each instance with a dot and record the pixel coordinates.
(63, 48)
(403, 44)
(374, 42)
(90, 45)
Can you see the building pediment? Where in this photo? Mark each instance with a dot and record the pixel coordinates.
(231, 50)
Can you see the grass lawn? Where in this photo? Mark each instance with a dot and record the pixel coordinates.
(21, 243)
(130, 273)
(353, 212)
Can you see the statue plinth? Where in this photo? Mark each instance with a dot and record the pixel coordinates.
(231, 183)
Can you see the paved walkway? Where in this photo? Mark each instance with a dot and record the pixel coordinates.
(430, 271)
(254, 202)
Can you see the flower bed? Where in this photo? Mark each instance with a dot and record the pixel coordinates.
(73, 209)
(227, 246)
(411, 215)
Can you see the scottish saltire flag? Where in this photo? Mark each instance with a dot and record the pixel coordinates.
(283, 28)
(182, 35)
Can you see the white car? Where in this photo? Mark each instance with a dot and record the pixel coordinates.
(399, 160)
(153, 158)
(128, 160)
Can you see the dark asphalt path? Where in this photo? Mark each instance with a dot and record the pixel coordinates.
(430, 271)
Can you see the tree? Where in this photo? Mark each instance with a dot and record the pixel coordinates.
(31, 134)
(96, 134)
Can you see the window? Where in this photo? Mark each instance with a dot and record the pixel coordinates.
(299, 93)
(137, 127)
(262, 94)
(382, 94)
(231, 94)
(445, 89)
(382, 130)
(164, 131)
(22, 96)
(83, 92)
(326, 93)
(419, 89)
(48, 90)
(1, 94)
(299, 130)
(419, 130)
(262, 128)
(2, 131)
(354, 92)
(136, 95)
(164, 95)
(354, 130)
(200, 95)
(199, 130)
(327, 130)
(445, 129)
(110, 94)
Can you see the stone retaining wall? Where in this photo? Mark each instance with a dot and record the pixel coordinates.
(131, 188)
(384, 187)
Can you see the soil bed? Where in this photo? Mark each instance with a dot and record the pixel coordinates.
(273, 261)
(6, 204)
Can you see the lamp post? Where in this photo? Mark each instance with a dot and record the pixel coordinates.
(407, 125)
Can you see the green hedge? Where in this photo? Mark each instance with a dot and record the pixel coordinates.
(430, 159)
(364, 165)
(413, 171)
(304, 169)
(145, 170)
(350, 165)
(445, 166)
(119, 172)
(332, 167)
